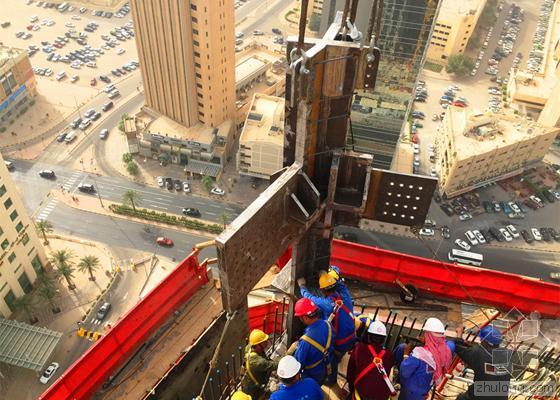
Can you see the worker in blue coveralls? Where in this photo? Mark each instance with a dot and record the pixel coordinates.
(315, 348)
(336, 305)
(292, 385)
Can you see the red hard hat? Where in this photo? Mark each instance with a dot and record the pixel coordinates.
(304, 307)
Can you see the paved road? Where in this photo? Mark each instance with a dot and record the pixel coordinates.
(35, 188)
(263, 22)
(528, 263)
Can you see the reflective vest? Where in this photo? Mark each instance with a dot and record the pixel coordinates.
(324, 350)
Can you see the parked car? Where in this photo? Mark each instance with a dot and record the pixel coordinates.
(527, 236)
(177, 184)
(186, 187)
(487, 236)
(554, 233)
(465, 217)
(479, 236)
(447, 209)
(104, 133)
(107, 106)
(47, 173)
(103, 311)
(462, 244)
(536, 234)
(427, 232)
(545, 235)
(513, 232)
(506, 234)
(191, 212)
(49, 372)
(218, 191)
(164, 241)
(471, 238)
(160, 181)
(445, 232)
(537, 200)
(497, 234)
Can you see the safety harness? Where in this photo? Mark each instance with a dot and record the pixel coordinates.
(324, 350)
(249, 372)
(338, 305)
(376, 363)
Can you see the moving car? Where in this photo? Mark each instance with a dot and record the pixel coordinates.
(103, 311)
(107, 106)
(49, 372)
(104, 133)
(47, 173)
(218, 191)
(462, 244)
(86, 188)
(164, 241)
(191, 212)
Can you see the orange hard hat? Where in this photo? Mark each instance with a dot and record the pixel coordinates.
(304, 307)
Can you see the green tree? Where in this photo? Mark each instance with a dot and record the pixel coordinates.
(47, 290)
(126, 157)
(43, 226)
(132, 168)
(488, 16)
(62, 260)
(121, 122)
(224, 218)
(207, 182)
(131, 197)
(474, 42)
(89, 264)
(314, 22)
(459, 64)
(25, 304)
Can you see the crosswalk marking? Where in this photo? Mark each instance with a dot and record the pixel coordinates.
(47, 210)
(70, 181)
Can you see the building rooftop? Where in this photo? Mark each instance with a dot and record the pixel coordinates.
(476, 133)
(451, 9)
(265, 120)
(540, 84)
(199, 133)
(248, 68)
(8, 53)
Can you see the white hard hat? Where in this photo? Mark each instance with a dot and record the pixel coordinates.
(288, 367)
(434, 325)
(377, 328)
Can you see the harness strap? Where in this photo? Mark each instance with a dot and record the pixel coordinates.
(324, 350)
(249, 372)
(377, 363)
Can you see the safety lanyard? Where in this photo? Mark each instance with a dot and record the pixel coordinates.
(249, 372)
(377, 362)
(339, 304)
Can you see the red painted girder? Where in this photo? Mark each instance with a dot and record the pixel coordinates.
(445, 280)
(88, 373)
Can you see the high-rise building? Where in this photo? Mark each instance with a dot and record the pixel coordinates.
(22, 255)
(187, 58)
(475, 149)
(454, 27)
(378, 117)
(17, 83)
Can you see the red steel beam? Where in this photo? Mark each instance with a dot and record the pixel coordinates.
(267, 312)
(445, 280)
(89, 372)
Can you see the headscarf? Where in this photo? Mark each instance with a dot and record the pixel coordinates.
(435, 344)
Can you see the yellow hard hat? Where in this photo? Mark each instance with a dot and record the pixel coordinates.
(326, 281)
(334, 274)
(257, 336)
(239, 395)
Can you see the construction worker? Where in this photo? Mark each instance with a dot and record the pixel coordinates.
(424, 366)
(292, 385)
(239, 395)
(315, 348)
(370, 366)
(258, 366)
(337, 308)
(361, 324)
(489, 362)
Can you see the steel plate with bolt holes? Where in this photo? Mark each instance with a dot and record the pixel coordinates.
(254, 241)
(400, 199)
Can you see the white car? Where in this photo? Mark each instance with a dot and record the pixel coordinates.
(104, 133)
(462, 244)
(536, 234)
(514, 207)
(511, 229)
(49, 372)
(471, 238)
(537, 200)
(465, 217)
(479, 236)
(186, 187)
(505, 234)
(218, 191)
(160, 181)
(120, 51)
(427, 232)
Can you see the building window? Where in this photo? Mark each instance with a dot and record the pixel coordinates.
(198, 76)
(194, 19)
(197, 65)
(197, 54)
(5, 244)
(10, 300)
(13, 215)
(12, 257)
(195, 31)
(8, 203)
(196, 43)
(25, 283)
(201, 113)
(25, 239)
(19, 227)
(2, 190)
(198, 85)
(36, 263)
(193, 7)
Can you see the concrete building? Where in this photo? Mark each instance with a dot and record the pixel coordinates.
(476, 149)
(17, 83)
(22, 255)
(261, 144)
(454, 27)
(187, 58)
(539, 91)
(378, 117)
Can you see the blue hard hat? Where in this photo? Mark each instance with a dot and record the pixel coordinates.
(491, 335)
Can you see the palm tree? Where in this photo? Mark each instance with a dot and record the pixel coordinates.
(25, 304)
(47, 290)
(224, 219)
(132, 197)
(44, 227)
(207, 182)
(89, 264)
(64, 266)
